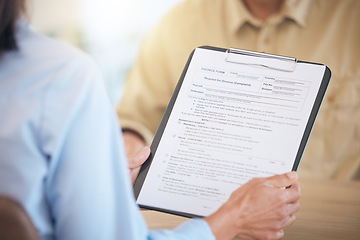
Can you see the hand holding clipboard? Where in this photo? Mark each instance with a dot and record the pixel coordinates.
(234, 115)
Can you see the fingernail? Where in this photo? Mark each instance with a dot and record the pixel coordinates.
(292, 175)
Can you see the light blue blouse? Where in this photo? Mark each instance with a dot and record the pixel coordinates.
(61, 153)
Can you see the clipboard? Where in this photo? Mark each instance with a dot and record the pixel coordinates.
(234, 115)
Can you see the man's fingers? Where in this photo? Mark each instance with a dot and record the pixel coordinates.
(295, 186)
(133, 144)
(288, 221)
(264, 234)
(133, 174)
(139, 158)
(283, 180)
(292, 194)
(289, 210)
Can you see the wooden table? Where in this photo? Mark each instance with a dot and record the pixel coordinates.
(330, 210)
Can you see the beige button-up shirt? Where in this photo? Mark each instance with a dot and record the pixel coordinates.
(324, 31)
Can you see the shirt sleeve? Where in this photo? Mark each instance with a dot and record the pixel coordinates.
(192, 229)
(88, 187)
(147, 89)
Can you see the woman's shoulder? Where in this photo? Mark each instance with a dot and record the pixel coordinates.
(41, 48)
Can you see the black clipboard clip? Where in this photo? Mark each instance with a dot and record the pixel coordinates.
(276, 62)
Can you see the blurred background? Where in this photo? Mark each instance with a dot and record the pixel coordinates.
(109, 30)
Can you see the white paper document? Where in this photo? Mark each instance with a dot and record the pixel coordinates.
(230, 122)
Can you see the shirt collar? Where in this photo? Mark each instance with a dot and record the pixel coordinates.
(297, 10)
(239, 15)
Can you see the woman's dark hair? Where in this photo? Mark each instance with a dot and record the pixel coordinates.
(10, 10)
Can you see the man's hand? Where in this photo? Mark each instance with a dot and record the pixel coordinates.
(136, 162)
(133, 143)
(136, 152)
(259, 209)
